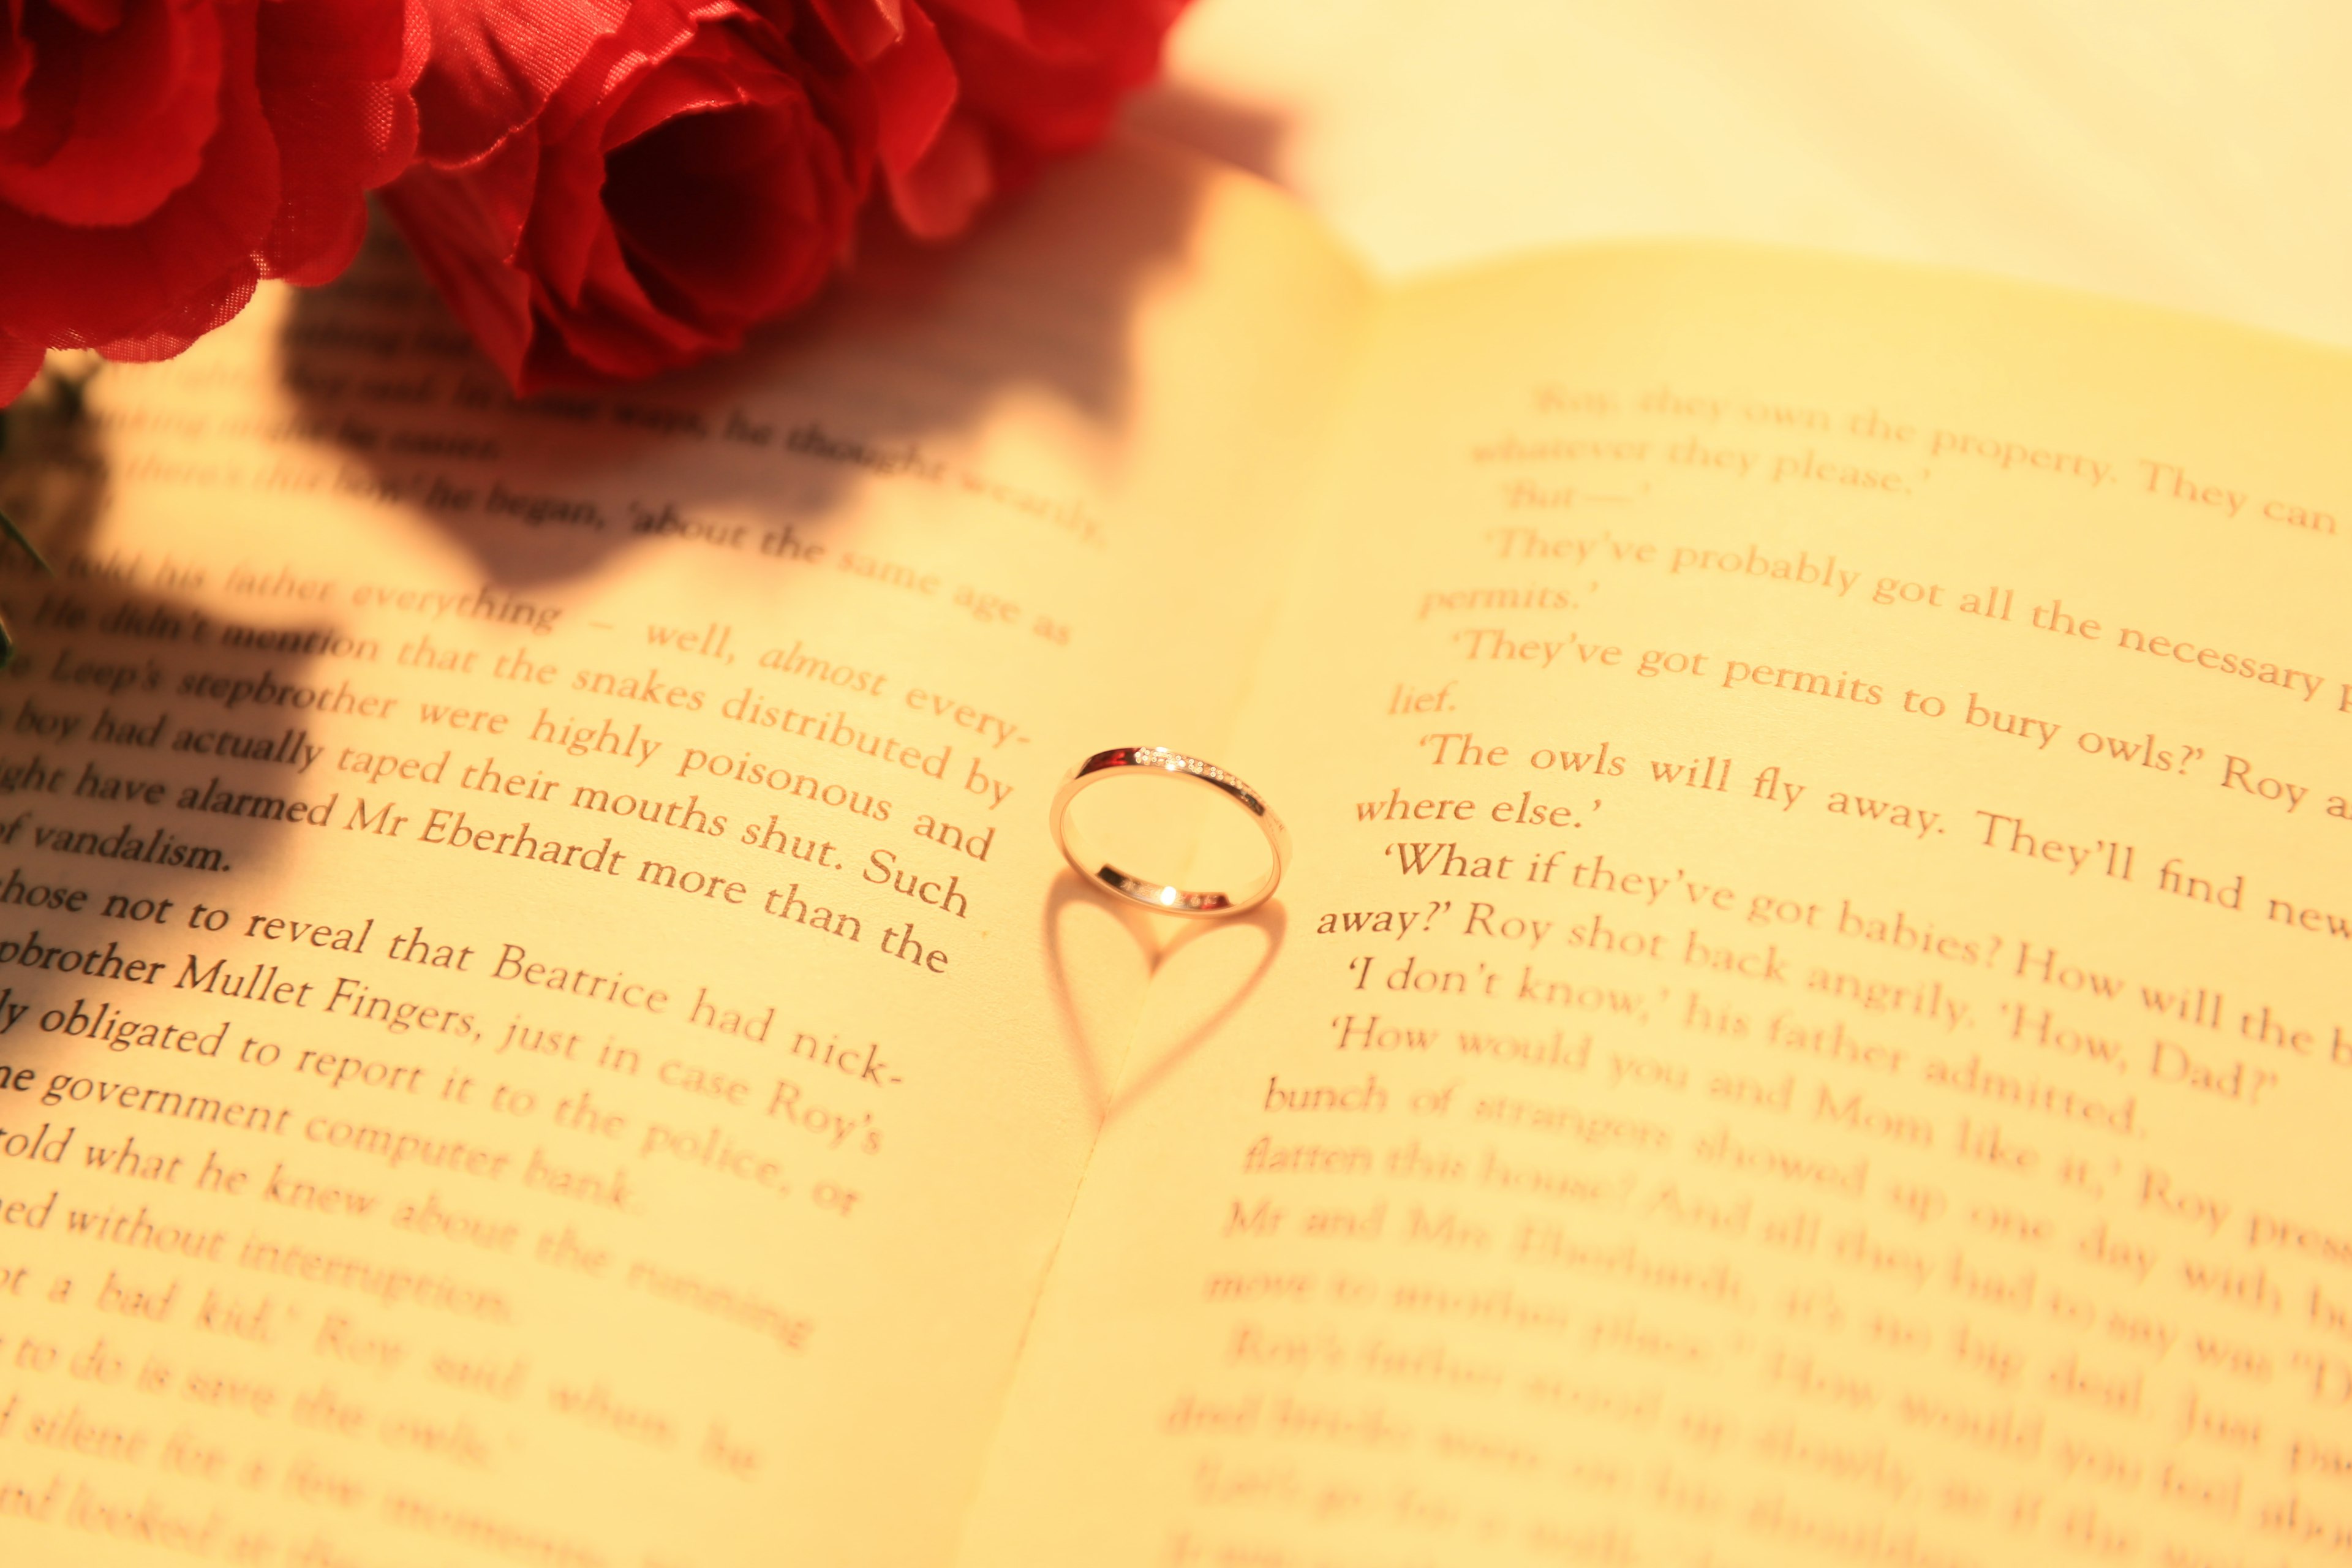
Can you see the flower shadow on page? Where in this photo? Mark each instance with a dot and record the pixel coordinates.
(874, 385)
(1097, 945)
(1244, 135)
(109, 842)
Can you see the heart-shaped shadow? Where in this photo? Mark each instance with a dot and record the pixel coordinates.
(1117, 1068)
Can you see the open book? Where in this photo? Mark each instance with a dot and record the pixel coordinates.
(1810, 1020)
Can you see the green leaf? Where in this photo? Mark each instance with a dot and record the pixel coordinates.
(69, 401)
(8, 525)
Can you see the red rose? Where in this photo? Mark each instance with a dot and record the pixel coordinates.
(610, 189)
(607, 188)
(975, 94)
(159, 156)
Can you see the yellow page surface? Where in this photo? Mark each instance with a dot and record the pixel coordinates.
(1809, 1022)
(526, 1030)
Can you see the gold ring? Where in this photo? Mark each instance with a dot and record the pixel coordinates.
(1166, 899)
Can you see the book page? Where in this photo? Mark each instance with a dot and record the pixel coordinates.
(528, 1026)
(1809, 1023)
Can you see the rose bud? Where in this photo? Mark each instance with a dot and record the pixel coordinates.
(607, 200)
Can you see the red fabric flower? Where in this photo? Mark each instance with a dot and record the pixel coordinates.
(626, 185)
(157, 157)
(607, 188)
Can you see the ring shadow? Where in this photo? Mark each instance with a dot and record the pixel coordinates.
(1134, 1081)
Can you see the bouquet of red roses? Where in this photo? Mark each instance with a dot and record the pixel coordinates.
(601, 189)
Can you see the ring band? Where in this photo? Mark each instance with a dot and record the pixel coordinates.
(1161, 896)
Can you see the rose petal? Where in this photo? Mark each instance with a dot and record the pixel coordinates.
(863, 29)
(936, 199)
(1006, 17)
(93, 16)
(568, 206)
(465, 229)
(17, 59)
(116, 123)
(495, 63)
(1045, 81)
(334, 77)
(183, 269)
(915, 90)
(738, 214)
